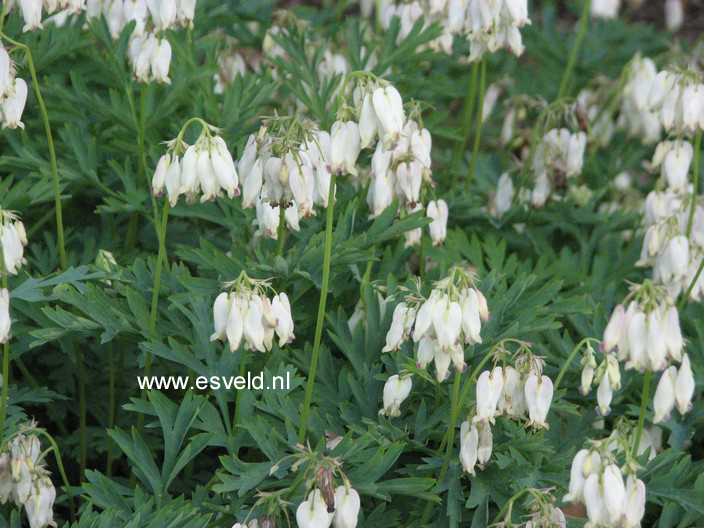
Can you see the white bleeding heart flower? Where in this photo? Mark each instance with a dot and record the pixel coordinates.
(396, 390)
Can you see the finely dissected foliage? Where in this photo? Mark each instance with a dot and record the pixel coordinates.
(443, 223)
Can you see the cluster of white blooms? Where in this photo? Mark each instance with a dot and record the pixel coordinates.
(396, 390)
(557, 158)
(489, 25)
(246, 313)
(25, 480)
(31, 10)
(520, 393)
(314, 512)
(286, 164)
(597, 482)
(451, 316)
(13, 239)
(647, 336)
(676, 387)
(606, 376)
(151, 58)
(401, 163)
(206, 168)
(149, 54)
(678, 99)
(13, 92)
(636, 115)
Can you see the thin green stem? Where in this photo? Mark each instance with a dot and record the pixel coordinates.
(684, 298)
(453, 422)
(280, 232)
(449, 438)
(155, 299)
(479, 121)
(62, 472)
(508, 504)
(466, 120)
(82, 442)
(645, 395)
(238, 399)
(695, 181)
(321, 310)
(5, 356)
(564, 368)
(111, 407)
(52, 153)
(581, 32)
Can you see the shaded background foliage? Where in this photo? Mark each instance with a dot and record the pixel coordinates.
(551, 284)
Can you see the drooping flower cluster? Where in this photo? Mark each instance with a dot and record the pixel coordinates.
(488, 25)
(636, 115)
(521, 392)
(13, 92)
(647, 336)
(246, 314)
(25, 480)
(557, 159)
(606, 376)
(31, 10)
(597, 481)
(451, 317)
(678, 99)
(206, 168)
(401, 163)
(286, 164)
(148, 52)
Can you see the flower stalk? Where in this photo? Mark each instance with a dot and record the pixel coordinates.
(321, 310)
(480, 115)
(52, 153)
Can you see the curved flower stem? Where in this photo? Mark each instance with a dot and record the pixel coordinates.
(695, 181)
(321, 310)
(480, 115)
(466, 120)
(280, 232)
(581, 31)
(683, 301)
(62, 472)
(141, 163)
(52, 153)
(645, 395)
(155, 299)
(564, 368)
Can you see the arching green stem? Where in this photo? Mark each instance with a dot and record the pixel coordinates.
(52, 153)
(564, 368)
(466, 120)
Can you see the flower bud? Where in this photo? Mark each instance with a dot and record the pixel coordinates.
(469, 443)
(437, 210)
